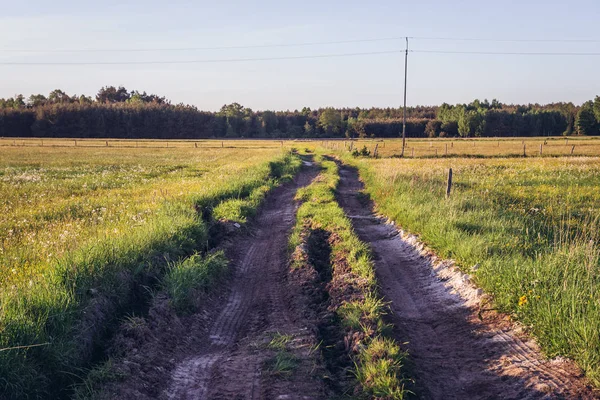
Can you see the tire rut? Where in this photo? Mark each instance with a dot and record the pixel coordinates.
(453, 354)
(231, 365)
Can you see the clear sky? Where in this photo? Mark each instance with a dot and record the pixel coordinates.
(374, 80)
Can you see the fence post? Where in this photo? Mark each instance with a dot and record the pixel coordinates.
(446, 148)
(541, 149)
(449, 185)
(375, 151)
(413, 152)
(524, 153)
(572, 149)
(107, 143)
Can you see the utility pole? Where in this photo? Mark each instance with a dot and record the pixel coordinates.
(404, 113)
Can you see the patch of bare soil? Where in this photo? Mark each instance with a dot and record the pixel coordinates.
(453, 353)
(251, 341)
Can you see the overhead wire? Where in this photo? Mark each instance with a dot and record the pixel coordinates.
(299, 44)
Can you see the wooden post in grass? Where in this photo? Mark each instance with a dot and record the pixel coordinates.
(107, 143)
(436, 152)
(14, 142)
(75, 143)
(524, 153)
(572, 149)
(413, 153)
(541, 149)
(446, 148)
(451, 145)
(449, 185)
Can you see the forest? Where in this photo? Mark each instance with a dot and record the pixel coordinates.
(120, 113)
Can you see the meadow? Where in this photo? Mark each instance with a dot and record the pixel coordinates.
(474, 147)
(85, 232)
(91, 228)
(525, 229)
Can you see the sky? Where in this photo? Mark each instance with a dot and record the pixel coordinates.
(38, 31)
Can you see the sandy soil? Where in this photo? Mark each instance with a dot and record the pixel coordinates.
(453, 353)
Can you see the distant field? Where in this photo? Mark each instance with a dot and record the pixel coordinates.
(485, 147)
(417, 148)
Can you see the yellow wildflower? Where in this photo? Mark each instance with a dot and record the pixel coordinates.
(522, 300)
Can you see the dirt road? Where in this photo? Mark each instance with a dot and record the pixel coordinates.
(225, 351)
(454, 355)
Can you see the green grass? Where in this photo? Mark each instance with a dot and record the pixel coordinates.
(377, 360)
(531, 224)
(84, 235)
(185, 280)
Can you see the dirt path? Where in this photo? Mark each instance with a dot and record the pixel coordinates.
(454, 355)
(234, 364)
(224, 352)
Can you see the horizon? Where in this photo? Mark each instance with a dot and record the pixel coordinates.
(100, 34)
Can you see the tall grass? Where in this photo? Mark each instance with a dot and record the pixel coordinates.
(531, 226)
(67, 303)
(377, 360)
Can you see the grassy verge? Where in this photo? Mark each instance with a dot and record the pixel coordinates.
(69, 308)
(376, 360)
(530, 225)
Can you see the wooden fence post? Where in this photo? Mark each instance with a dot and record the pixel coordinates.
(572, 149)
(413, 152)
(446, 148)
(449, 185)
(541, 149)
(375, 151)
(524, 153)
(107, 143)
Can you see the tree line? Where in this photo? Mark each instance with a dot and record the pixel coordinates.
(116, 112)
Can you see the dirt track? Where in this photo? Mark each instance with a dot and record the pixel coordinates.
(454, 355)
(231, 366)
(222, 352)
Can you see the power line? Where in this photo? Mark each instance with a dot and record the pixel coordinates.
(237, 60)
(256, 46)
(518, 40)
(505, 53)
(225, 60)
(300, 44)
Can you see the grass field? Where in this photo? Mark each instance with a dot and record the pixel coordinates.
(529, 225)
(89, 229)
(82, 228)
(484, 147)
